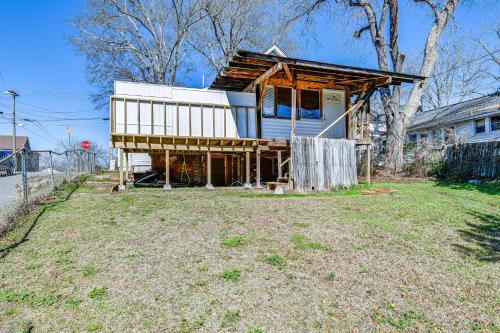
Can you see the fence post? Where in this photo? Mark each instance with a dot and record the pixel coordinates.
(24, 169)
(52, 171)
(68, 170)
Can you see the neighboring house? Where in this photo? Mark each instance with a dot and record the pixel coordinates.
(240, 128)
(21, 142)
(474, 120)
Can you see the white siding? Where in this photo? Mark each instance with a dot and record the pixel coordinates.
(131, 107)
(195, 120)
(158, 119)
(200, 112)
(145, 113)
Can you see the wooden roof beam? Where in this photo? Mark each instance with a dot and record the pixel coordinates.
(270, 72)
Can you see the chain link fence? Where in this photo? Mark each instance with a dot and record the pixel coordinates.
(27, 176)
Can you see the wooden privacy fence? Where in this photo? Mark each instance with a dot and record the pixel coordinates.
(322, 164)
(473, 160)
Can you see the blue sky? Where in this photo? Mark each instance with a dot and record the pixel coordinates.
(37, 61)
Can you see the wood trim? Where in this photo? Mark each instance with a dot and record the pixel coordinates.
(138, 117)
(152, 120)
(177, 117)
(165, 118)
(124, 116)
(266, 75)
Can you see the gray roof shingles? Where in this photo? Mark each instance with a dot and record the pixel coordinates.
(456, 112)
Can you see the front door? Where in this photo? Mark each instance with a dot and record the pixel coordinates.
(333, 108)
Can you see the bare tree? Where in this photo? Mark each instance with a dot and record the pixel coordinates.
(230, 25)
(381, 22)
(491, 50)
(460, 74)
(134, 40)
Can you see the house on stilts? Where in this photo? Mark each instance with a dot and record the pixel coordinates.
(265, 117)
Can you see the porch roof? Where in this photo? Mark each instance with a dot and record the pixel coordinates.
(245, 67)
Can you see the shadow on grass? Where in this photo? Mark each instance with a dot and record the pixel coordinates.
(63, 195)
(492, 188)
(482, 237)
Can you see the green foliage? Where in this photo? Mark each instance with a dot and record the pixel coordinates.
(44, 299)
(14, 296)
(73, 303)
(97, 293)
(34, 266)
(233, 275)
(234, 241)
(93, 327)
(276, 260)
(438, 169)
(90, 270)
(331, 277)
(301, 242)
(230, 317)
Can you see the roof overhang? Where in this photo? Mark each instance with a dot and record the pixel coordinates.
(246, 67)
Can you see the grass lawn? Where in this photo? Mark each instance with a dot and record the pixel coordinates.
(424, 258)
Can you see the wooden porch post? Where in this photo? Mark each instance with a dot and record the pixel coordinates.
(209, 171)
(247, 164)
(368, 163)
(121, 186)
(126, 167)
(280, 173)
(258, 169)
(238, 166)
(167, 185)
(294, 115)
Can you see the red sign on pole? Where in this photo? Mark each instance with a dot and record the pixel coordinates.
(85, 144)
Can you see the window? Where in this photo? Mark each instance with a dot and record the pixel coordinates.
(449, 133)
(495, 123)
(423, 138)
(283, 102)
(480, 126)
(412, 138)
(310, 107)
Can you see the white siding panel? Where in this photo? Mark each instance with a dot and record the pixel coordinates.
(183, 120)
(195, 120)
(171, 119)
(145, 113)
(273, 128)
(119, 116)
(308, 127)
(231, 123)
(242, 123)
(252, 125)
(158, 119)
(132, 126)
(208, 121)
(219, 122)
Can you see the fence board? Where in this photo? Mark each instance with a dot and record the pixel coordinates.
(322, 164)
(478, 159)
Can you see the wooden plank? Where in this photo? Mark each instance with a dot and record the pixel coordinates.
(287, 71)
(270, 72)
(257, 162)
(247, 164)
(294, 111)
(167, 167)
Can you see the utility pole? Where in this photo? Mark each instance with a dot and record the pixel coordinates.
(14, 95)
